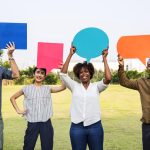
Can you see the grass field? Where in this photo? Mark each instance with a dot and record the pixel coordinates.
(121, 113)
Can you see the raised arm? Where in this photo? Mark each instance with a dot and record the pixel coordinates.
(106, 67)
(14, 68)
(58, 88)
(132, 84)
(66, 64)
(69, 83)
(13, 101)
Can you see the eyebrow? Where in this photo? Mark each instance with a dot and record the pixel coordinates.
(40, 71)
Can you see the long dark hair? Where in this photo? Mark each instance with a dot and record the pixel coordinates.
(36, 69)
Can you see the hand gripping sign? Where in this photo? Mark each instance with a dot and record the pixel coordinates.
(50, 55)
(134, 47)
(90, 42)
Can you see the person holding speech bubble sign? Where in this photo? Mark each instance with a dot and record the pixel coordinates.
(38, 110)
(7, 74)
(86, 128)
(143, 86)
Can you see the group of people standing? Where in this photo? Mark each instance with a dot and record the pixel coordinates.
(86, 127)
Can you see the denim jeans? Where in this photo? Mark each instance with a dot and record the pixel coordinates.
(91, 135)
(146, 136)
(45, 129)
(1, 132)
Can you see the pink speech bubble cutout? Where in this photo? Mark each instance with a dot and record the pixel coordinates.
(49, 56)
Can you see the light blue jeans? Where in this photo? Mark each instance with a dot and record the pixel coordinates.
(1, 132)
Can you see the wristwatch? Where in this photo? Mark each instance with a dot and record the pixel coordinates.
(12, 58)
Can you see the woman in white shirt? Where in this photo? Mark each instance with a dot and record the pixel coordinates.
(85, 111)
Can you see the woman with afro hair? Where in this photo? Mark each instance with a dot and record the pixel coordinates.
(86, 128)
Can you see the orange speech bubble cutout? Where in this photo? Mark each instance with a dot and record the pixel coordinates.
(134, 47)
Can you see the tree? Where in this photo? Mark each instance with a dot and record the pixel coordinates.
(29, 73)
(1, 52)
(114, 76)
(19, 81)
(133, 74)
(98, 75)
(50, 79)
(1, 55)
(6, 64)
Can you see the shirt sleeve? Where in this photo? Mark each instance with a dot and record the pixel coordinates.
(24, 91)
(101, 86)
(132, 84)
(49, 89)
(69, 83)
(6, 74)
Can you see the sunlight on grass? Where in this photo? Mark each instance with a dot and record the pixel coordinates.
(121, 112)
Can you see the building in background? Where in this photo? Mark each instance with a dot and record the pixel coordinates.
(20, 63)
(129, 64)
(98, 64)
(31, 63)
(134, 64)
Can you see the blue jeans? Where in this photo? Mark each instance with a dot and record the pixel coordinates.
(1, 132)
(146, 136)
(91, 135)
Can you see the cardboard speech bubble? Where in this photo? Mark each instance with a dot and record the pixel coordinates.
(13, 32)
(90, 42)
(134, 47)
(50, 55)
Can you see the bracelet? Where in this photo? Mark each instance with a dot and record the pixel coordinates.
(11, 58)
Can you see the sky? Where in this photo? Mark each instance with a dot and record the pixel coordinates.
(59, 21)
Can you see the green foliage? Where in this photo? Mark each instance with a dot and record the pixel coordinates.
(72, 76)
(6, 64)
(26, 76)
(29, 72)
(28, 81)
(98, 76)
(1, 52)
(50, 79)
(114, 76)
(133, 74)
(19, 81)
(145, 73)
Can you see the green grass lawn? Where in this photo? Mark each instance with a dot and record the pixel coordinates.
(121, 113)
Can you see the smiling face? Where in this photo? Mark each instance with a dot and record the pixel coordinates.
(84, 75)
(39, 75)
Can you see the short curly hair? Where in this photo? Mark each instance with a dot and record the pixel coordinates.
(79, 66)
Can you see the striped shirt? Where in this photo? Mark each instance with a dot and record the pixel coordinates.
(85, 106)
(38, 102)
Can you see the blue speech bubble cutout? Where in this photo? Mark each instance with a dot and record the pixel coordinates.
(13, 32)
(90, 42)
